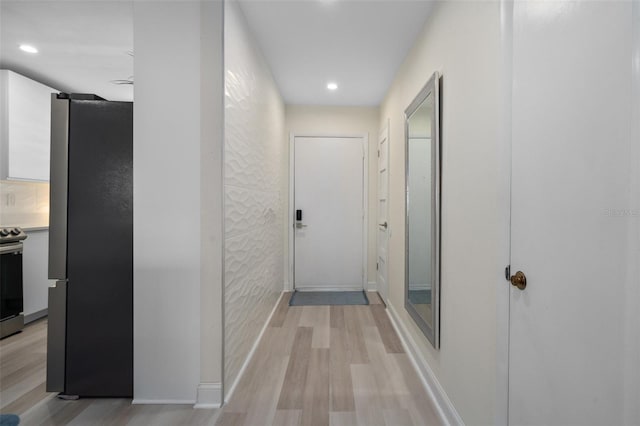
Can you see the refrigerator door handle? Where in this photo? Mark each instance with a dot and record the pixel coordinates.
(58, 188)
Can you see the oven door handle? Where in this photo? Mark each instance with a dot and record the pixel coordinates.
(10, 248)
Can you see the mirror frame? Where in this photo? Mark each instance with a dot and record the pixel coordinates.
(431, 332)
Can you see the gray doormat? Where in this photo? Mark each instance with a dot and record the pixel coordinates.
(315, 298)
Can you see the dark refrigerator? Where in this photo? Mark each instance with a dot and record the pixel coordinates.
(90, 327)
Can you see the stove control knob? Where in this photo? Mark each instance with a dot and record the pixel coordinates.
(15, 231)
(4, 232)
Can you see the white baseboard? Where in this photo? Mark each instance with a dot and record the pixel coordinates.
(163, 402)
(372, 286)
(445, 408)
(209, 395)
(227, 395)
(35, 316)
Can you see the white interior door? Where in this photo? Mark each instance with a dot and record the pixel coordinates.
(383, 212)
(329, 193)
(571, 171)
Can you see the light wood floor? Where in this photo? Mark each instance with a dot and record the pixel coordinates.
(108, 411)
(23, 359)
(329, 365)
(315, 365)
(22, 392)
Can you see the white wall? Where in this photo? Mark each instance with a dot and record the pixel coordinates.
(255, 170)
(168, 150)
(461, 40)
(331, 120)
(632, 289)
(211, 203)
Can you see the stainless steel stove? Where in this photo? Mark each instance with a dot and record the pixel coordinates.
(11, 304)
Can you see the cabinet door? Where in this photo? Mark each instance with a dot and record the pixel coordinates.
(28, 120)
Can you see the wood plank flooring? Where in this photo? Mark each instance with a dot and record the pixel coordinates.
(329, 365)
(22, 392)
(315, 365)
(23, 360)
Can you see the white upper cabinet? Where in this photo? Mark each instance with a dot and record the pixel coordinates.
(25, 133)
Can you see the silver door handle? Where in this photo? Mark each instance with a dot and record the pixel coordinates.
(384, 225)
(299, 225)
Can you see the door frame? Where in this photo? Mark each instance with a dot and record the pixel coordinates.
(503, 286)
(386, 130)
(290, 286)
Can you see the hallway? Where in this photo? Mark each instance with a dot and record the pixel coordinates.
(329, 365)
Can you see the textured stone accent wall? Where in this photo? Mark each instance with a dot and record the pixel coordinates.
(255, 173)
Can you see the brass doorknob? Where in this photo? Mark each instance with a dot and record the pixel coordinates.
(519, 280)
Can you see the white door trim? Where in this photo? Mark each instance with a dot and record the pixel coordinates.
(365, 200)
(386, 131)
(503, 298)
(632, 388)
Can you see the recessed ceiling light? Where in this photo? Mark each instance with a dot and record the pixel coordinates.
(27, 48)
(332, 86)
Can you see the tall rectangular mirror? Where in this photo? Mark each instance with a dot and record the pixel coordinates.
(422, 156)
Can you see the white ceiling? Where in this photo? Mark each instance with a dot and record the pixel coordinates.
(82, 45)
(357, 43)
